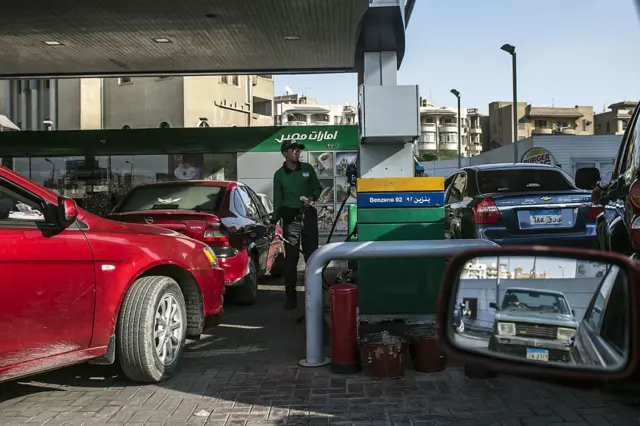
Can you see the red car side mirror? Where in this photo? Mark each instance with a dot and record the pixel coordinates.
(67, 211)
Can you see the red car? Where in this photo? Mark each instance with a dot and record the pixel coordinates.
(78, 287)
(228, 216)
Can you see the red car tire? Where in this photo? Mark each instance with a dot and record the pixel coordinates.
(151, 329)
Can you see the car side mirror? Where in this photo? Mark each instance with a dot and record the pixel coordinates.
(535, 336)
(493, 305)
(587, 177)
(67, 212)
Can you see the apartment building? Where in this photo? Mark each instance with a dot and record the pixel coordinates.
(439, 130)
(138, 102)
(299, 110)
(614, 121)
(533, 121)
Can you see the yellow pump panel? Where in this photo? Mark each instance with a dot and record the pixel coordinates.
(401, 184)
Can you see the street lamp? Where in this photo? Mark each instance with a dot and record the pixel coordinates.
(512, 51)
(455, 93)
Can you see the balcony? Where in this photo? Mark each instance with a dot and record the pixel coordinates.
(296, 123)
(449, 146)
(542, 131)
(428, 127)
(427, 146)
(568, 131)
(320, 123)
(475, 130)
(448, 128)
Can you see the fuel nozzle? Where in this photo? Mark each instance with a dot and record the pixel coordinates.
(352, 174)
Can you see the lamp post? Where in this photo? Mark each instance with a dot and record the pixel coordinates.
(512, 51)
(455, 93)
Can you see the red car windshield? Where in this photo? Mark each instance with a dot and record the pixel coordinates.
(173, 196)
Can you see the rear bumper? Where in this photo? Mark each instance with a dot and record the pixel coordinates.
(559, 351)
(211, 282)
(235, 267)
(587, 239)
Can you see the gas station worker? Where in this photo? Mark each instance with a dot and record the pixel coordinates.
(293, 180)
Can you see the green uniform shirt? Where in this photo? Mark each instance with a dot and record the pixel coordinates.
(289, 185)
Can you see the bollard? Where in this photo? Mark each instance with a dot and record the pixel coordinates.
(355, 251)
(345, 357)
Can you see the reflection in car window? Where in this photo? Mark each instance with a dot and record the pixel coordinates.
(15, 207)
(173, 196)
(595, 315)
(614, 321)
(517, 180)
(457, 189)
(250, 207)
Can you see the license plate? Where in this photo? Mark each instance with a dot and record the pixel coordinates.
(538, 354)
(545, 217)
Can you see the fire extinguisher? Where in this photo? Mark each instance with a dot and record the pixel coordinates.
(345, 358)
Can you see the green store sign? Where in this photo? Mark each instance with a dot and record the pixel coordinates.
(316, 138)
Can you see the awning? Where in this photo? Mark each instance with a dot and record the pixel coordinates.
(5, 123)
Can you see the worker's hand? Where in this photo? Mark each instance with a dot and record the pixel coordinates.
(307, 202)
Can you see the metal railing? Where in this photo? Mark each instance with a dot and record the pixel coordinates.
(314, 317)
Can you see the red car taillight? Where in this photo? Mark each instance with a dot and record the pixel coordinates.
(486, 213)
(214, 236)
(594, 211)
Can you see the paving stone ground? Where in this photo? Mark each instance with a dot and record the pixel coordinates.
(246, 373)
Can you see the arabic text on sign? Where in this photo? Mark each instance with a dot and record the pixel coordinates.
(317, 136)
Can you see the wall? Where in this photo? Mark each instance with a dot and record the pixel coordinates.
(443, 167)
(145, 102)
(578, 292)
(567, 150)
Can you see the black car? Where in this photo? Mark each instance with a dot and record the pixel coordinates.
(601, 338)
(618, 228)
(519, 204)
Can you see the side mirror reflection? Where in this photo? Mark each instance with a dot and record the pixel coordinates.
(543, 309)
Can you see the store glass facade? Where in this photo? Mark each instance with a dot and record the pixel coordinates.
(97, 183)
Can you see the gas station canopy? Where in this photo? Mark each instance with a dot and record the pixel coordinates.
(44, 38)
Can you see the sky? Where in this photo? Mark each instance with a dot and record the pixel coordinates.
(570, 52)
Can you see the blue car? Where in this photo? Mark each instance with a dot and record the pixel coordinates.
(519, 204)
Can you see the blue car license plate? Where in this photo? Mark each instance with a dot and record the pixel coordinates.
(545, 217)
(537, 354)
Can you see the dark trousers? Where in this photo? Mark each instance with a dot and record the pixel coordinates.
(301, 229)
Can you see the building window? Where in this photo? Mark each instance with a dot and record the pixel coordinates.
(562, 124)
(448, 137)
(608, 127)
(235, 80)
(124, 80)
(542, 124)
(224, 79)
(428, 137)
(584, 125)
(625, 123)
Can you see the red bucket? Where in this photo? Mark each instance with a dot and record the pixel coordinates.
(384, 354)
(426, 356)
